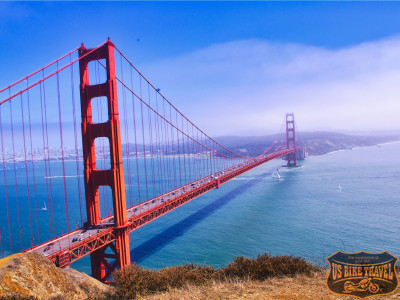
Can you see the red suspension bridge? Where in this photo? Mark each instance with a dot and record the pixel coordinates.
(68, 192)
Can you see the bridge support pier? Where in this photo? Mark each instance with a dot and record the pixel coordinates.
(218, 183)
(113, 177)
(96, 260)
(291, 140)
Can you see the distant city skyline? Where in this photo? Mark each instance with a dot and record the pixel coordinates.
(233, 68)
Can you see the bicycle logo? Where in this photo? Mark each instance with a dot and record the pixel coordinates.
(362, 274)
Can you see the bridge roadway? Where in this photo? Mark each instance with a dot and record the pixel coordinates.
(80, 242)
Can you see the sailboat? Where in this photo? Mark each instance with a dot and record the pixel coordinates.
(44, 207)
(278, 175)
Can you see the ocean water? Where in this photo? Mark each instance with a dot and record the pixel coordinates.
(346, 200)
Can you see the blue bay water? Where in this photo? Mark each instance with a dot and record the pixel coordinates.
(347, 200)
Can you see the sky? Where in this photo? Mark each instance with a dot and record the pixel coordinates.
(233, 68)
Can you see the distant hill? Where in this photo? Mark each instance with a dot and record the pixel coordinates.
(317, 143)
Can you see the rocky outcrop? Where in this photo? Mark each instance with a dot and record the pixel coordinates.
(31, 275)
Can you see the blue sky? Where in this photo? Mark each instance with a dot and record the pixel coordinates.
(232, 67)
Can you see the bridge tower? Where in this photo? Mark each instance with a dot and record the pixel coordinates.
(291, 140)
(113, 177)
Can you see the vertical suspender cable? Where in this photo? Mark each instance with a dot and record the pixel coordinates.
(172, 148)
(179, 151)
(143, 138)
(159, 166)
(33, 167)
(200, 153)
(45, 161)
(78, 173)
(215, 156)
(134, 129)
(190, 163)
(204, 156)
(5, 181)
(194, 154)
(51, 207)
(15, 175)
(166, 143)
(126, 137)
(62, 147)
(162, 148)
(199, 150)
(149, 114)
(184, 153)
(26, 170)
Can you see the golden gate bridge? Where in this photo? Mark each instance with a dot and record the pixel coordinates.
(69, 192)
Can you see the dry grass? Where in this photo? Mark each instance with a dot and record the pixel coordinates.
(266, 277)
(266, 266)
(136, 281)
(301, 287)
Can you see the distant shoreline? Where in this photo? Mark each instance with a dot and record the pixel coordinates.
(356, 147)
(316, 143)
(340, 150)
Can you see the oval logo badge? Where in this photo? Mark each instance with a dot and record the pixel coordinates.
(362, 274)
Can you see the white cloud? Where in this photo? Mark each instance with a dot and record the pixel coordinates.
(247, 86)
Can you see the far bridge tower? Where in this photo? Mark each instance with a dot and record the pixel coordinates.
(291, 140)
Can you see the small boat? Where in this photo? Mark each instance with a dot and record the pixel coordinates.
(44, 207)
(278, 175)
(339, 187)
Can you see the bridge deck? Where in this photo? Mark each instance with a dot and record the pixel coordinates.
(80, 242)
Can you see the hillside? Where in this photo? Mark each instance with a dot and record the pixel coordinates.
(301, 287)
(317, 143)
(33, 276)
